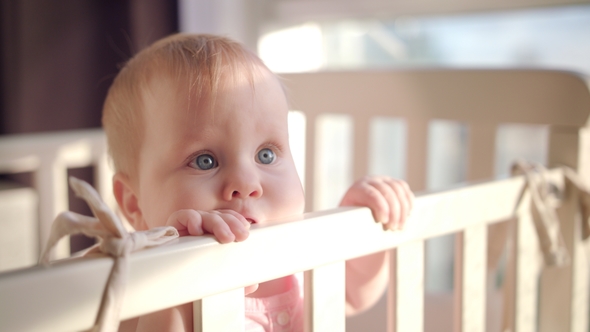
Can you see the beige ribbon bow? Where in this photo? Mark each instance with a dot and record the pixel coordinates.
(543, 211)
(114, 240)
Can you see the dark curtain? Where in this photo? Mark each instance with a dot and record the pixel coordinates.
(58, 59)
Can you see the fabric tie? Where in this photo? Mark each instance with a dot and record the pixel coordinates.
(545, 201)
(114, 240)
(543, 211)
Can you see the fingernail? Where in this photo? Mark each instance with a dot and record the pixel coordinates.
(244, 230)
(228, 235)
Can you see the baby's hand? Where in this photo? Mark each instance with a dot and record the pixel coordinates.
(389, 199)
(226, 225)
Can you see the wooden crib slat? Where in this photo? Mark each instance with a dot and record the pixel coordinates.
(392, 292)
(220, 312)
(555, 310)
(521, 283)
(581, 277)
(409, 311)
(310, 161)
(481, 154)
(528, 261)
(103, 177)
(470, 279)
(417, 159)
(565, 308)
(360, 155)
(51, 183)
(325, 298)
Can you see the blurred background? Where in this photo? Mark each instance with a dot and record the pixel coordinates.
(58, 58)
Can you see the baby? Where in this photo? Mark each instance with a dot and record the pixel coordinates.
(197, 130)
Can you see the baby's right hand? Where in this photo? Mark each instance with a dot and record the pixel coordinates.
(226, 225)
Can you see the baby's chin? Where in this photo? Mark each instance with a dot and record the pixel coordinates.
(250, 289)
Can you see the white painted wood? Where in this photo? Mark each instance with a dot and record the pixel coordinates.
(581, 276)
(410, 287)
(392, 293)
(48, 156)
(220, 312)
(18, 222)
(565, 308)
(310, 162)
(174, 274)
(556, 309)
(360, 153)
(334, 164)
(470, 286)
(524, 262)
(325, 298)
(19, 153)
(51, 182)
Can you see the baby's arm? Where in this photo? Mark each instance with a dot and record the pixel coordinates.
(390, 201)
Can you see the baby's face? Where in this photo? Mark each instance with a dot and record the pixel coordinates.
(235, 156)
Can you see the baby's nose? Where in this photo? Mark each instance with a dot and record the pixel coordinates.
(242, 186)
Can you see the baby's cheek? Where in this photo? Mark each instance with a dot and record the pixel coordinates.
(296, 201)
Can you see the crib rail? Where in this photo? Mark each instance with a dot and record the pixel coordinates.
(48, 156)
(66, 296)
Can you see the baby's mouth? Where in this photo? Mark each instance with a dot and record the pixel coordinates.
(251, 221)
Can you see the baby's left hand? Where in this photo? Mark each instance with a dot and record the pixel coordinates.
(390, 200)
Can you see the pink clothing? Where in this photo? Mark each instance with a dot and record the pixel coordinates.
(278, 313)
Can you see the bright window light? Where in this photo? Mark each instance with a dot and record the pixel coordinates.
(296, 49)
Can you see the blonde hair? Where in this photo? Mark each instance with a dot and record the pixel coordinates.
(201, 61)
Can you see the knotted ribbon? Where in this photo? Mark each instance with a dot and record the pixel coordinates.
(544, 202)
(114, 240)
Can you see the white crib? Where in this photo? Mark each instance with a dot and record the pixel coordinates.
(66, 296)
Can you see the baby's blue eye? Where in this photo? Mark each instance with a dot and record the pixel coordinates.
(266, 156)
(205, 162)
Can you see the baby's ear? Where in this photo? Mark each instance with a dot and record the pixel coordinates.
(127, 200)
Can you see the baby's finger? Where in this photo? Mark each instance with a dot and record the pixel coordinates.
(408, 194)
(235, 221)
(405, 199)
(399, 203)
(240, 217)
(390, 196)
(214, 224)
(187, 222)
(368, 195)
